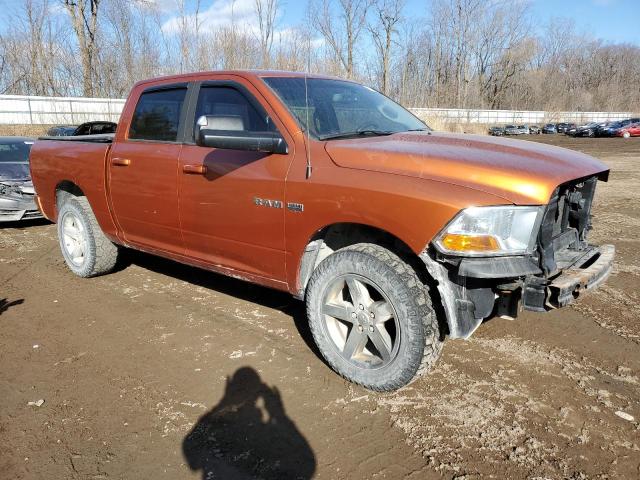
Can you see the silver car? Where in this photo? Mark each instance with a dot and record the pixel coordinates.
(511, 130)
(16, 190)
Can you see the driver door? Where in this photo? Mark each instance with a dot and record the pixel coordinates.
(222, 220)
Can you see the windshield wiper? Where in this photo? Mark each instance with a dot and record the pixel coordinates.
(358, 133)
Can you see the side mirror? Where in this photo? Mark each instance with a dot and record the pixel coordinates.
(232, 138)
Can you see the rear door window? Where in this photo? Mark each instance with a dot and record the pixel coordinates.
(157, 115)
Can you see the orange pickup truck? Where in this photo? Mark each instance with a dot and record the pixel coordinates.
(394, 235)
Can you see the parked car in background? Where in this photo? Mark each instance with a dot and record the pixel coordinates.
(96, 128)
(571, 131)
(534, 130)
(562, 127)
(511, 130)
(88, 128)
(588, 129)
(16, 190)
(496, 131)
(631, 130)
(62, 131)
(523, 129)
(611, 129)
(549, 128)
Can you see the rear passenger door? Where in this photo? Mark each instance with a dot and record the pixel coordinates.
(143, 168)
(223, 222)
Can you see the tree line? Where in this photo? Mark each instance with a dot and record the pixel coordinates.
(457, 54)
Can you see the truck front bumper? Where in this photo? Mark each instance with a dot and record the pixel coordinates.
(578, 280)
(476, 289)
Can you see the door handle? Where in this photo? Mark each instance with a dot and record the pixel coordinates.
(194, 169)
(120, 162)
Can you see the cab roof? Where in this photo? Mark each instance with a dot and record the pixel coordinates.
(248, 74)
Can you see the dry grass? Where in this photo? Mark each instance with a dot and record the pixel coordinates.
(24, 130)
(440, 125)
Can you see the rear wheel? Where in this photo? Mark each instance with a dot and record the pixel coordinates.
(372, 317)
(86, 250)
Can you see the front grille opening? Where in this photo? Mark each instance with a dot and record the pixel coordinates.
(566, 223)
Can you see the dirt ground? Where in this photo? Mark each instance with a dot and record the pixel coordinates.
(164, 371)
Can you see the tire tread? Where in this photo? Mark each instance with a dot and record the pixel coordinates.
(105, 252)
(417, 298)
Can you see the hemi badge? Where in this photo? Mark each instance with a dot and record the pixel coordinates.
(295, 207)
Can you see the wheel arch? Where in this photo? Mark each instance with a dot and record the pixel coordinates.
(334, 236)
(65, 189)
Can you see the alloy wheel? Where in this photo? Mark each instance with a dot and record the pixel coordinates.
(361, 322)
(74, 238)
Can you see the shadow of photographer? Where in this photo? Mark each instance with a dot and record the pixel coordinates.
(248, 435)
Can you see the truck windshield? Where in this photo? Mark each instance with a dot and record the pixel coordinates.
(333, 109)
(13, 151)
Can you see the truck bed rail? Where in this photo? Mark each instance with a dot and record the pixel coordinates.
(99, 138)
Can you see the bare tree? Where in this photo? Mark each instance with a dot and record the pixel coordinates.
(266, 12)
(502, 49)
(84, 19)
(387, 16)
(463, 53)
(29, 49)
(340, 22)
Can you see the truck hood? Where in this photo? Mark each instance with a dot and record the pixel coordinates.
(519, 171)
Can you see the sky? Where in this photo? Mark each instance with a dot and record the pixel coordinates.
(611, 20)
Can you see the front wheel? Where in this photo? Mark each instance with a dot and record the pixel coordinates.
(372, 317)
(626, 135)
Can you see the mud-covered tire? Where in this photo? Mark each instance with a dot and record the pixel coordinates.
(417, 329)
(98, 254)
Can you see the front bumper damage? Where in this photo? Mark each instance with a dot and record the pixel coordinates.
(580, 279)
(17, 202)
(476, 289)
(562, 267)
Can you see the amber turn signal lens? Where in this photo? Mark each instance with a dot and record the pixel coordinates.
(470, 243)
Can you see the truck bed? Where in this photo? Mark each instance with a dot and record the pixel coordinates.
(81, 162)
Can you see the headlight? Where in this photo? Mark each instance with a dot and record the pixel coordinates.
(487, 231)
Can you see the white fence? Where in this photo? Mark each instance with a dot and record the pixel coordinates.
(24, 110)
(514, 116)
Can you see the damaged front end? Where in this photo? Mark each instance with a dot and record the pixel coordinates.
(558, 266)
(17, 201)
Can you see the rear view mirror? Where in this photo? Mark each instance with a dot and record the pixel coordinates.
(228, 134)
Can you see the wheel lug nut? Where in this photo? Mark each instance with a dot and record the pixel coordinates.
(371, 329)
(361, 307)
(373, 315)
(354, 314)
(360, 329)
